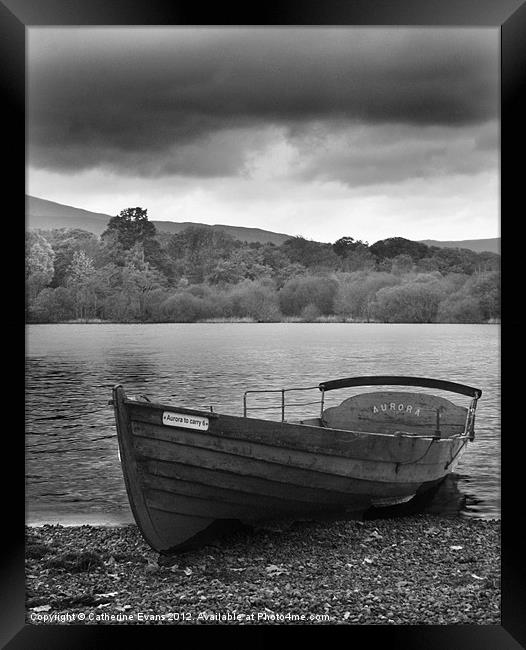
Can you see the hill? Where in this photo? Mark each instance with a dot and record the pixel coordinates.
(237, 232)
(476, 245)
(46, 215)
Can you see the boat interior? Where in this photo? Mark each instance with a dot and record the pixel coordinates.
(380, 412)
(394, 413)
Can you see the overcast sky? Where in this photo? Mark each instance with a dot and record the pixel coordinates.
(319, 132)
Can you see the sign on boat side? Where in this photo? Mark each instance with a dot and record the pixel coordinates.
(173, 419)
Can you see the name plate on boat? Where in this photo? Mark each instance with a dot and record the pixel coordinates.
(198, 422)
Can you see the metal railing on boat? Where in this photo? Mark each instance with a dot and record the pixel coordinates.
(282, 405)
(469, 427)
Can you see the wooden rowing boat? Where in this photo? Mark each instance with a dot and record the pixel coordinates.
(187, 470)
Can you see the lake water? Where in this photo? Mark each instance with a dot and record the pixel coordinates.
(72, 467)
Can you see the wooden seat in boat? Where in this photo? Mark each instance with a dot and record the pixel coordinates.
(397, 412)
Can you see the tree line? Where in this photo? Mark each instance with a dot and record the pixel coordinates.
(133, 273)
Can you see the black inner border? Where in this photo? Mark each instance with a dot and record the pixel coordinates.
(510, 17)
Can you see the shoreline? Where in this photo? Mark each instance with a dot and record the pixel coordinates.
(420, 569)
(327, 320)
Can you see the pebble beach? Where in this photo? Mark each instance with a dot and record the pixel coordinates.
(416, 570)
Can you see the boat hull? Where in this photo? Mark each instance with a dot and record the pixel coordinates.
(188, 471)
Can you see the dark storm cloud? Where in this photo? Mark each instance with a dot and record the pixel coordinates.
(395, 153)
(194, 101)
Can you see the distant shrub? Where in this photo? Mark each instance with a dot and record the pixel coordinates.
(427, 264)
(459, 308)
(357, 291)
(408, 303)
(310, 313)
(485, 287)
(476, 300)
(118, 306)
(394, 246)
(152, 307)
(401, 264)
(185, 308)
(53, 305)
(256, 300)
(298, 293)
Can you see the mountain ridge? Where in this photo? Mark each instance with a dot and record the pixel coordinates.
(46, 215)
(491, 245)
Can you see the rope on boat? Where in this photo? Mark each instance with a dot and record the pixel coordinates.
(410, 462)
(458, 452)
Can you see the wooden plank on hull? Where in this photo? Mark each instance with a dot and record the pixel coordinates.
(208, 508)
(245, 467)
(430, 463)
(302, 438)
(193, 469)
(233, 496)
(176, 529)
(405, 451)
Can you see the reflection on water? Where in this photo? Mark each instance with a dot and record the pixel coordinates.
(73, 472)
(445, 499)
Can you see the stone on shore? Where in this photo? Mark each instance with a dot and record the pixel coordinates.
(418, 570)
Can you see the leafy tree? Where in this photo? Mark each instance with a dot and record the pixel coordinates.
(384, 265)
(345, 245)
(256, 299)
(455, 260)
(485, 287)
(393, 246)
(357, 291)
(130, 226)
(459, 308)
(297, 293)
(292, 270)
(81, 281)
(426, 264)
(111, 250)
(197, 250)
(281, 267)
(414, 302)
(401, 264)
(67, 241)
(53, 305)
(359, 259)
(139, 281)
(39, 264)
(311, 254)
(242, 264)
(133, 273)
(487, 261)
(310, 313)
(184, 307)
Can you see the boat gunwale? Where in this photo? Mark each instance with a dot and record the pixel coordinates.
(216, 415)
(401, 380)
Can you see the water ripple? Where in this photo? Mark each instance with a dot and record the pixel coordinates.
(71, 445)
